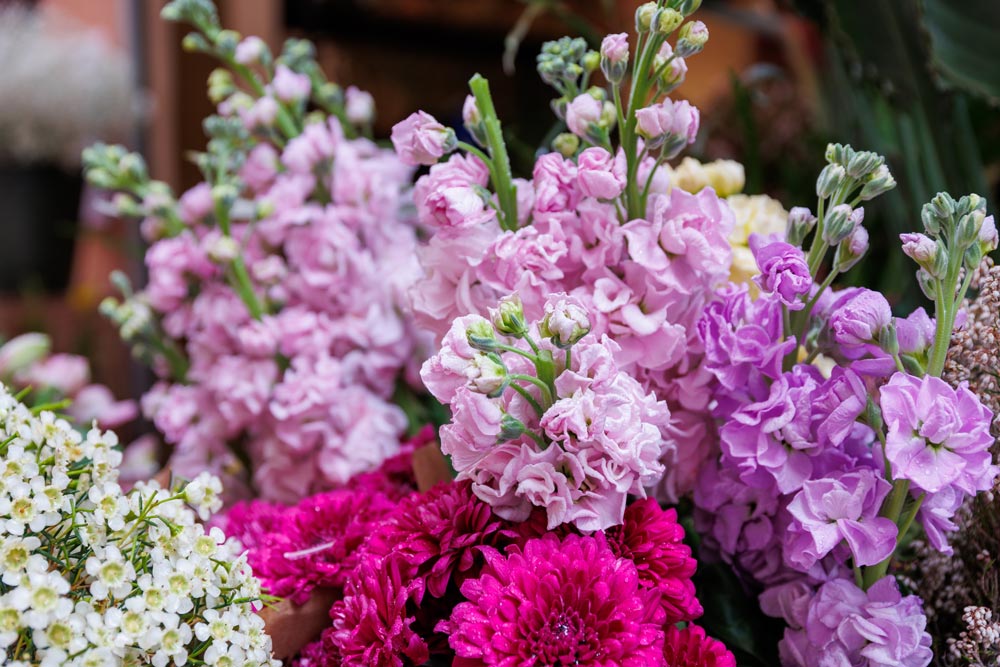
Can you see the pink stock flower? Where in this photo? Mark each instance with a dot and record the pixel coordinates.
(859, 319)
(556, 602)
(669, 119)
(290, 86)
(584, 111)
(601, 175)
(615, 47)
(783, 271)
(449, 196)
(359, 106)
(421, 139)
(66, 373)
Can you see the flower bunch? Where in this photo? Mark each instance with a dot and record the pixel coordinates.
(273, 313)
(598, 219)
(441, 576)
(839, 433)
(543, 417)
(92, 575)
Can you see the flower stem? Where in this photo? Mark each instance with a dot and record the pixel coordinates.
(503, 181)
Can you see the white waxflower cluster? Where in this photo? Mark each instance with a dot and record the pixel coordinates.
(92, 576)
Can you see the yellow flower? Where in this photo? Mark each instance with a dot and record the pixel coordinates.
(754, 214)
(726, 177)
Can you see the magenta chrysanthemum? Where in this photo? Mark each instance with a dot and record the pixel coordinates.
(371, 627)
(653, 540)
(314, 544)
(554, 603)
(439, 534)
(691, 647)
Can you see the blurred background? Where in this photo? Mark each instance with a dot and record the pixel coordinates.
(913, 79)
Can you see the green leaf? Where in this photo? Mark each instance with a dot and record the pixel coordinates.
(963, 38)
(734, 617)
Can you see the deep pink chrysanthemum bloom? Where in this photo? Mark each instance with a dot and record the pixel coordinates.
(370, 624)
(691, 647)
(652, 539)
(294, 550)
(439, 534)
(555, 603)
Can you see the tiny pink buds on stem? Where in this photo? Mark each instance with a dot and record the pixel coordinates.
(800, 222)
(472, 119)
(508, 316)
(359, 106)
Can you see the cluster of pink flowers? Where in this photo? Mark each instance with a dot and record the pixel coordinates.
(277, 296)
(644, 282)
(553, 424)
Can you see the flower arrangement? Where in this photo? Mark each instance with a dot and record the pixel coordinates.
(274, 313)
(52, 68)
(611, 334)
(92, 575)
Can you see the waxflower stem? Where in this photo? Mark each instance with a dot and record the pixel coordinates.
(503, 181)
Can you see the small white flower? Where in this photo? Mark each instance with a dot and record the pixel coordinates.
(204, 494)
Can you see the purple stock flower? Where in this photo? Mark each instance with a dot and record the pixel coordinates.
(783, 270)
(938, 436)
(915, 333)
(840, 508)
(859, 319)
(848, 626)
(772, 439)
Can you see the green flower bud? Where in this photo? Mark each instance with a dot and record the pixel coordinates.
(668, 20)
(968, 228)
(927, 284)
(194, 42)
(873, 414)
(133, 167)
(840, 223)
(591, 61)
(800, 222)
(510, 428)
(830, 180)
(508, 316)
(863, 163)
(225, 195)
(887, 339)
(481, 336)
(839, 154)
(644, 17)
(227, 40)
(879, 182)
(686, 7)
(566, 144)
(220, 85)
(692, 39)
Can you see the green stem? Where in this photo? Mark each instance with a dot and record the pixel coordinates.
(503, 180)
(629, 137)
(240, 277)
(517, 350)
(546, 392)
(892, 508)
(529, 398)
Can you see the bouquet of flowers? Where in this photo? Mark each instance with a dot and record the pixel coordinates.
(611, 334)
(95, 576)
(274, 315)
